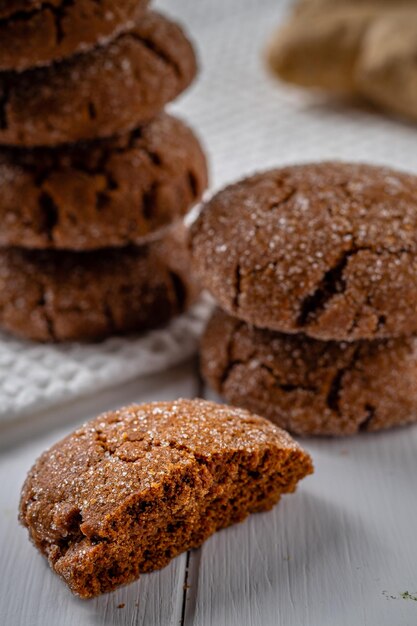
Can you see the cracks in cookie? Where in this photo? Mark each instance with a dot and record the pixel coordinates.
(103, 196)
(193, 184)
(91, 110)
(378, 326)
(284, 200)
(364, 425)
(238, 280)
(58, 13)
(336, 386)
(159, 52)
(333, 397)
(331, 284)
(287, 387)
(231, 363)
(50, 214)
(4, 101)
(112, 451)
(382, 320)
(179, 290)
(153, 156)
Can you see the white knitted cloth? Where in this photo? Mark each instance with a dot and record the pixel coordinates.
(248, 121)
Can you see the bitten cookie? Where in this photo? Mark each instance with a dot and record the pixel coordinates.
(99, 94)
(132, 489)
(312, 387)
(39, 33)
(62, 296)
(106, 193)
(327, 249)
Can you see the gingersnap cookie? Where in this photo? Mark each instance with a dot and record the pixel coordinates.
(70, 296)
(107, 91)
(132, 489)
(41, 33)
(326, 249)
(107, 193)
(312, 387)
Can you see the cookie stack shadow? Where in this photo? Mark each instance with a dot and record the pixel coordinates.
(314, 268)
(95, 177)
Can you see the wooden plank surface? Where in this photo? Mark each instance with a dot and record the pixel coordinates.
(342, 550)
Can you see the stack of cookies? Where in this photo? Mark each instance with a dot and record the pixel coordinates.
(94, 176)
(315, 268)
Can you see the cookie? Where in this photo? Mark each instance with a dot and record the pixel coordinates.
(44, 32)
(70, 296)
(107, 193)
(132, 489)
(312, 387)
(326, 249)
(105, 92)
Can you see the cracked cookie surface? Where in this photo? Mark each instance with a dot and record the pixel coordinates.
(132, 489)
(326, 249)
(39, 33)
(106, 193)
(102, 93)
(70, 296)
(312, 387)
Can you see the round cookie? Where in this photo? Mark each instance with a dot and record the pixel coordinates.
(101, 93)
(63, 296)
(107, 193)
(45, 32)
(312, 387)
(327, 249)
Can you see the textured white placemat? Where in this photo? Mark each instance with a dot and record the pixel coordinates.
(35, 376)
(248, 121)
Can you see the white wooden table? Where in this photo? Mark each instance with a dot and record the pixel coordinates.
(341, 551)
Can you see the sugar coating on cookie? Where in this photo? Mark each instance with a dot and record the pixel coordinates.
(101, 93)
(44, 32)
(132, 489)
(312, 387)
(77, 296)
(104, 193)
(327, 249)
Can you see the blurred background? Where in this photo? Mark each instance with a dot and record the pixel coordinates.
(249, 120)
